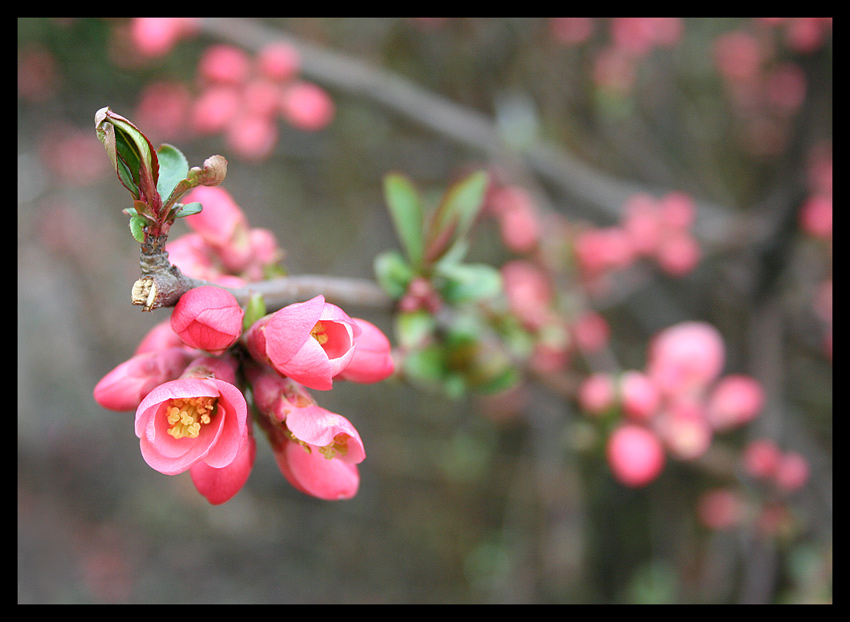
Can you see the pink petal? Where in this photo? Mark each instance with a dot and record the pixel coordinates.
(315, 475)
(288, 329)
(220, 485)
(309, 366)
(316, 426)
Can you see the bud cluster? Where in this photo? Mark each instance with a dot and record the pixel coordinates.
(194, 380)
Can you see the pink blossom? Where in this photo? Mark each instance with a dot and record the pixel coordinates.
(761, 458)
(639, 396)
(311, 342)
(816, 216)
(190, 420)
(160, 337)
(221, 221)
(686, 358)
(274, 395)
(678, 254)
(792, 472)
(156, 36)
(223, 63)
(372, 360)
(684, 430)
(215, 108)
(307, 106)
(219, 485)
(528, 291)
(327, 433)
(591, 331)
(124, 388)
(278, 61)
(313, 474)
(208, 318)
(597, 393)
(734, 401)
(635, 455)
(252, 136)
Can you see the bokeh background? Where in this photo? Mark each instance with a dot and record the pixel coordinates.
(462, 500)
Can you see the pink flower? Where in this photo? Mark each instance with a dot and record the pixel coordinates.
(311, 342)
(685, 358)
(278, 61)
(329, 434)
(372, 360)
(734, 401)
(638, 395)
(635, 455)
(124, 387)
(307, 106)
(191, 420)
(208, 318)
(313, 474)
(792, 471)
(274, 395)
(596, 393)
(222, 222)
(321, 459)
(761, 458)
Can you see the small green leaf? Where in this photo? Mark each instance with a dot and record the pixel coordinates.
(181, 210)
(469, 282)
(415, 328)
(456, 214)
(173, 169)
(392, 273)
(405, 207)
(137, 227)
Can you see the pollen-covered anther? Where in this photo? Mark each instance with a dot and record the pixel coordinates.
(319, 333)
(339, 447)
(186, 415)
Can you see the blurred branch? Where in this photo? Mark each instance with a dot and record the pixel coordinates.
(461, 124)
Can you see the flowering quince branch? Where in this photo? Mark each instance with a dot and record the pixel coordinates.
(225, 358)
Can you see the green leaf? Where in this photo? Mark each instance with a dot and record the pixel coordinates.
(405, 207)
(173, 168)
(181, 211)
(392, 273)
(456, 214)
(137, 227)
(469, 282)
(131, 154)
(414, 328)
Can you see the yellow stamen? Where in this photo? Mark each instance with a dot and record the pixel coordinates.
(187, 414)
(318, 333)
(339, 447)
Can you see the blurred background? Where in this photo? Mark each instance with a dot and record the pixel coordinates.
(468, 500)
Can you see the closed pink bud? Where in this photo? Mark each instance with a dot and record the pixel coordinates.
(160, 337)
(372, 360)
(191, 420)
(792, 471)
(208, 318)
(126, 386)
(635, 455)
(221, 220)
(761, 458)
(310, 342)
(596, 393)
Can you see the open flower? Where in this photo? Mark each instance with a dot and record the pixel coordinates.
(208, 318)
(190, 420)
(311, 342)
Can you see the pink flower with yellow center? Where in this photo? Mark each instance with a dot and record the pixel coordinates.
(191, 420)
(310, 342)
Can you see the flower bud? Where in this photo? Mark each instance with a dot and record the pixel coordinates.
(126, 386)
(208, 318)
(372, 361)
(635, 455)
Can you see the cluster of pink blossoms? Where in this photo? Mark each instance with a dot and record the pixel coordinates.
(675, 405)
(194, 380)
(235, 94)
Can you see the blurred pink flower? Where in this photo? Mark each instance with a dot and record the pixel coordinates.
(635, 455)
(686, 358)
(734, 401)
(307, 106)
